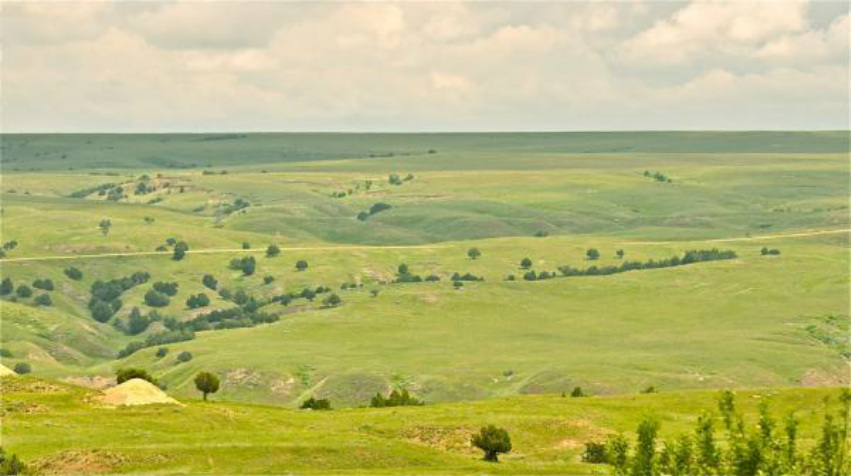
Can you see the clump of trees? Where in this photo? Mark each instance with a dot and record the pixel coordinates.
(272, 251)
(465, 277)
(768, 448)
(404, 275)
(24, 291)
(769, 252)
(180, 249)
(658, 176)
(156, 299)
(167, 288)
(43, 300)
(160, 338)
(206, 383)
(689, 257)
(313, 403)
(493, 441)
(105, 301)
(395, 399)
(43, 284)
(11, 464)
(210, 282)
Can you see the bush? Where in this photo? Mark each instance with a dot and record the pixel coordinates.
(123, 375)
(273, 251)
(316, 404)
(24, 291)
(74, 273)
(22, 368)
(247, 265)
(592, 254)
(6, 353)
(246, 245)
(206, 383)
(770, 252)
(526, 263)
(169, 289)
(332, 301)
(162, 352)
(180, 250)
(595, 453)
(268, 279)
(474, 253)
(395, 399)
(301, 265)
(155, 299)
(577, 392)
(43, 300)
(11, 465)
(197, 300)
(43, 284)
(492, 441)
(6, 287)
(210, 282)
(184, 356)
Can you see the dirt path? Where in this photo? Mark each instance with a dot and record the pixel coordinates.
(746, 238)
(224, 250)
(410, 247)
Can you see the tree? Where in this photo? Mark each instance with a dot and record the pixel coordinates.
(619, 254)
(268, 279)
(246, 245)
(577, 392)
(374, 292)
(6, 287)
(43, 300)
(492, 441)
(184, 356)
(197, 300)
(332, 301)
(206, 383)
(43, 284)
(592, 254)
(301, 265)
(123, 375)
(273, 251)
(180, 250)
(73, 273)
(11, 465)
(22, 368)
(104, 226)
(526, 263)
(210, 282)
(162, 352)
(474, 253)
(24, 291)
(101, 311)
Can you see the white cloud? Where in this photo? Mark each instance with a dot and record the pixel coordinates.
(447, 66)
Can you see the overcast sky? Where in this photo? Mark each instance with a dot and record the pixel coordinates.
(432, 66)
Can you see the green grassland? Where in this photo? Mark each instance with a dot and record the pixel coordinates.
(492, 349)
(60, 429)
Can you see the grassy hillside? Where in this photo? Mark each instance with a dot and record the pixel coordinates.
(58, 428)
(755, 320)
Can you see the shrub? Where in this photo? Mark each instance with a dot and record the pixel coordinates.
(43, 300)
(22, 368)
(6, 287)
(11, 465)
(592, 254)
(206, 383)
(577, 392)
(247, 265)
(332, 301)
(316, 404)
(73, 273)
(526, 263)
(301, 265)
(474, 253)
(24, 291)
(395, 399)
(180, 250)
(273, 251)
(43, 284)
(6, 353)
(169, 289)
(197, 300)
(268, 279)
(155, 299)
(457, 284)
(162, 352)
(210, 282)
(492, 441)
(595, 453)
(123, 375)
(184, 356)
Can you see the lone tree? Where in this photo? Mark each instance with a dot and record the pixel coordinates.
(492, 441)
(332, 301)
(206, 383)
(301, 265)
(104, 226)
(620, 254)
(526, 263)
(474, 253)
(273, 251)
(592, 254)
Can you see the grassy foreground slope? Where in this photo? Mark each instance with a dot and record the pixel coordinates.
(57, 428)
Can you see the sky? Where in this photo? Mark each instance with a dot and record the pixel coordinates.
(423, 66)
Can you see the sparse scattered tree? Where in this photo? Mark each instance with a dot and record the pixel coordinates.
(184, 356)
(316, 404)
(180, 250)
(272, 251)
(24, 291)
(43, 300)
(301, 265)
(105, 225)
(162, 352)
(155, 299)
(206, 383)
(73, 273)
(526, 263)
(197, 300)
(332, 301)
(492, 441)
(474, 253)
(592, 254)
(246, 245)
(620, 254)
(210, 282)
